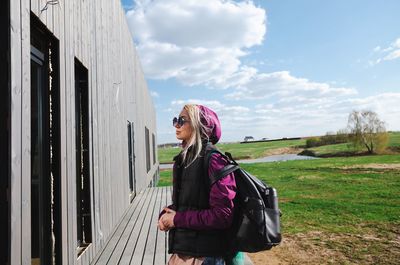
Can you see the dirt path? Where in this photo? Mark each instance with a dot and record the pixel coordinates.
(283, 151)
(323, 248)
(293, 250)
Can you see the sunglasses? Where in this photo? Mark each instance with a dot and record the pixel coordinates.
(179, 121)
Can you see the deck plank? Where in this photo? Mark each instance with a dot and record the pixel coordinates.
(160, 248)
(149, 251)
(137, 240)
(115, 239)
(124, 250)
(136, 231)
(140, 247)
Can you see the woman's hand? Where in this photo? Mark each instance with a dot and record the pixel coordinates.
(166, 221)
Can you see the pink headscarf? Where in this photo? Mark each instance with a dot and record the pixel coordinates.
(210, 119)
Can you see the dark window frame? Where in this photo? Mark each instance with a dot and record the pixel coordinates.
(82, 147)
(154, 148)
(45, 50)
(131, 157)
(147, 143)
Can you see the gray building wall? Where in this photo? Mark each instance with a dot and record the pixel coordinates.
(94, 32)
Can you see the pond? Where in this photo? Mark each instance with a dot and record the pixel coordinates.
(272, 158)
(275, 158)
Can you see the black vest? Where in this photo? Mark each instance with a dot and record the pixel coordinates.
(191, 191)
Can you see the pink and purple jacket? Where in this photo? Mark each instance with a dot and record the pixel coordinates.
(220, 213)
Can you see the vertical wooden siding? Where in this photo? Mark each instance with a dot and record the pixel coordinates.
(96, 33)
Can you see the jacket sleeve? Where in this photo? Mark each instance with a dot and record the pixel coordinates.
(220, 213)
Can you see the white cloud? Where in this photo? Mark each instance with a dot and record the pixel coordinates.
(283, 84)
(173, 44)
(223, 110)
(154, 94)
(392, 52)
(377, 49)
(392, 56)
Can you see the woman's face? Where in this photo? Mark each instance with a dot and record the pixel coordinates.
(184, 132)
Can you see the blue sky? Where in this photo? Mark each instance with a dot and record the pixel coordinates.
(271, 69)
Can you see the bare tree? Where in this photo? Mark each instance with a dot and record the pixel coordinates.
(367, 130)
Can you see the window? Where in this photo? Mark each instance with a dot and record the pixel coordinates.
(83, 206)
(131, 158)
(45, 147)
(147, 137)
(154, 148)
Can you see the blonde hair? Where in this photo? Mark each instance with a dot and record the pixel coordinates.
(192, 148)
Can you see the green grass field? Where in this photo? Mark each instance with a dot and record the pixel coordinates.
(394, 139)
(353, 204)
(240, 151)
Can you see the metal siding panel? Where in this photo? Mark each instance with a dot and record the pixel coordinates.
(103, 135)
(80, 40)
(116, 165)
(26, 133)
(120, 121)
(125, 96)
(100, 103)
(42, 11)
(49, 16)
(61, 21)
(85, 32)
(96, 128)
(35, 7)
(80, 27)
(57, 12)
(111, 122)
(65, 64)
(77, 28)
(16, 119)
(74, 10)
(107, 89)
(93, 127)
(70, 51)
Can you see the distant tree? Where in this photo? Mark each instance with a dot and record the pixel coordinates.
(313, 142)
(342, 136)
(367, 130)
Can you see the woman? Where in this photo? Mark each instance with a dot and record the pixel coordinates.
(199, 216)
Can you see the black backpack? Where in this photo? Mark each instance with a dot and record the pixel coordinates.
(256, 222)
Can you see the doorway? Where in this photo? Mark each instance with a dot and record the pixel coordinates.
(45, 147)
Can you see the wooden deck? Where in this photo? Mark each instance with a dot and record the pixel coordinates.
(137, 239)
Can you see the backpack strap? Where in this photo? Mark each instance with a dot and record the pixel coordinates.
(209, 151)
(225, 171)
